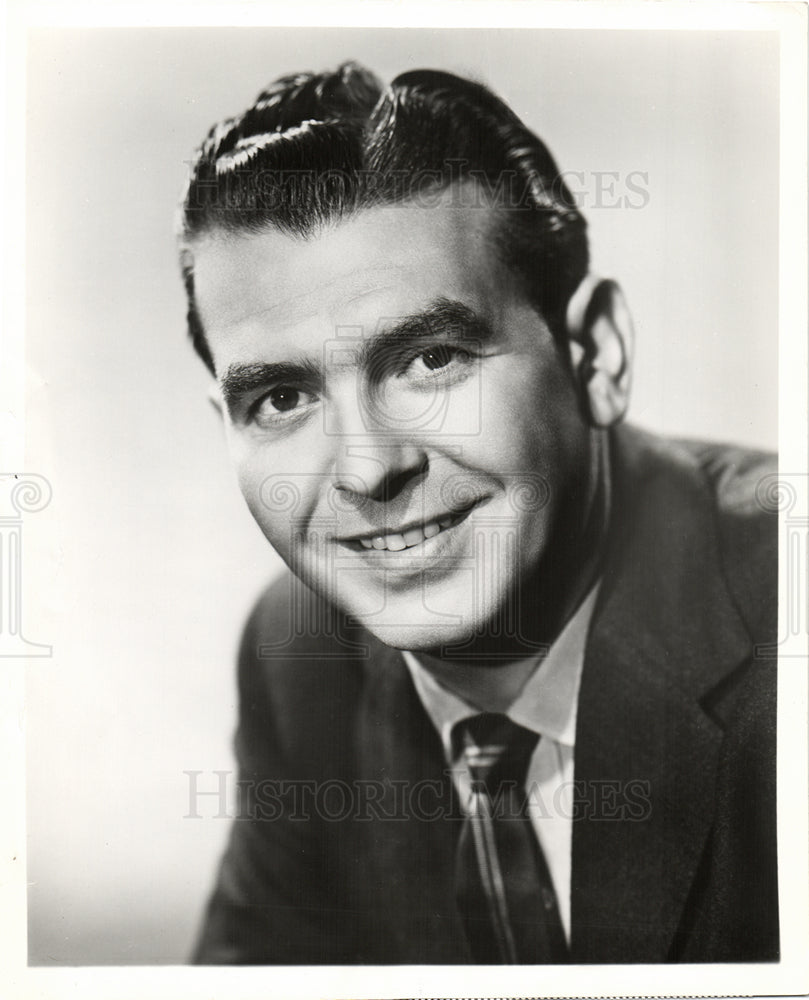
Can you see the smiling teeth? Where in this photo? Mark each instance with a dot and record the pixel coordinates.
(414, 536)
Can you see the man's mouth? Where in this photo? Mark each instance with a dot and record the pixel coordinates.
(409, 538)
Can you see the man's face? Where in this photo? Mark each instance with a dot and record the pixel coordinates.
(403, 427)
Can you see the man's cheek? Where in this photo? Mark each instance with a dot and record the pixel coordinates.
(287, 507)
(253, 485)
(268, 524)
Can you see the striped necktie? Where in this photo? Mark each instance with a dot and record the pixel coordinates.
(504, 889)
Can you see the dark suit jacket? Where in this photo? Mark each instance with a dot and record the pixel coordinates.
(674, 851)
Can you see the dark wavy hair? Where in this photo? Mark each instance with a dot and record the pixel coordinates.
(318, 147)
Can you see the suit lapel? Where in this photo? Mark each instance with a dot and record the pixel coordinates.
(411, 856)
(665, 633)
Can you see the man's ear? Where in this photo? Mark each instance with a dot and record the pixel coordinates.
(601, 342)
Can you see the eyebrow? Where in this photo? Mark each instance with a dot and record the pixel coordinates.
(240, 380)
(442, 318)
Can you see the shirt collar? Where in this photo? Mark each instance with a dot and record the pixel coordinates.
(547, 703)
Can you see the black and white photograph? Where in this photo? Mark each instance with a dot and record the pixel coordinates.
(405, 503)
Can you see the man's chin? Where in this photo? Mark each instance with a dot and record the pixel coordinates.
(415, 637)
(436, 618)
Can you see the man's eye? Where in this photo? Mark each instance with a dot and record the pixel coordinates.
(437, 357)
(440, 356)
(283, 399)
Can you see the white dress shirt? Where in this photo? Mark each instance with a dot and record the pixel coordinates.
(546, 705)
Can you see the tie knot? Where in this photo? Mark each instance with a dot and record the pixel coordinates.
(494, 749)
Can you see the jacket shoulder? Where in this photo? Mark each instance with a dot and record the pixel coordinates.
(743, 483)
(290, 623)
(300, 671)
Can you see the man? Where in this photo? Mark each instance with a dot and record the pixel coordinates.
(513, 703)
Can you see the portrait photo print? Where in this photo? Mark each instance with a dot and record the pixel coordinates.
(407, 404)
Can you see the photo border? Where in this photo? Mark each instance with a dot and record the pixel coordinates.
(788, 977)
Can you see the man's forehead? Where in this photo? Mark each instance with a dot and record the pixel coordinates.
(381, 253)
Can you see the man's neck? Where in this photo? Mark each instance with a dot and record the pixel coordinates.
(490, 689)
(488, 677)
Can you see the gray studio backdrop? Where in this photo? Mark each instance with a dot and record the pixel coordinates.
(147, 560)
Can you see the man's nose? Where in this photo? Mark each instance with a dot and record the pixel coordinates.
(374, 460)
